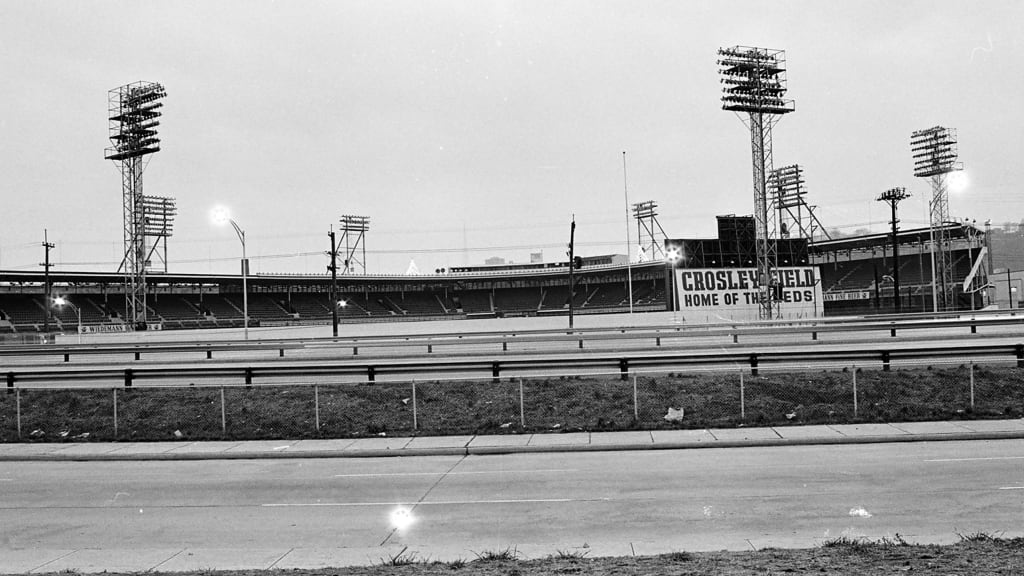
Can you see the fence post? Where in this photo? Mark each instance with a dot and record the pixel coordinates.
(115, 412)
(316, 404)
(415, 423)
(522, 407)
(223, 413)
(636, 406)
(17, 402)
(753, 364)
(743, 400)
(972, 385)
(10, 382)
(854, 391)
(127, 377)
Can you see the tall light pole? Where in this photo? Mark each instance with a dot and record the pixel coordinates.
(893, 197)
(60, 301)
(220, 216)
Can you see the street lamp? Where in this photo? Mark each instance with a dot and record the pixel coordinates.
(60, 301)
(222, 216)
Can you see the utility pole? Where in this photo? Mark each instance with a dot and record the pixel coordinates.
(893, 197)
(572, 266)
(334, 284)
(47, 245)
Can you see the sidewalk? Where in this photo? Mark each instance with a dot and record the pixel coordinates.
(518, 443)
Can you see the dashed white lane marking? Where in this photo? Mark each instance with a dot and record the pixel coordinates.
(435, 503)
(1012, 488)
(388, 474)
(976, 459)
(6, 479)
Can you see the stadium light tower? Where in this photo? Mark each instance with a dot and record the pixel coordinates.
(893, 197)
(754, 81)
(353, 234)
(134, 112)
(935, 157)
(222, 216)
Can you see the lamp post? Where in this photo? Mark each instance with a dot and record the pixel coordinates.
(220, 216)
(60, 301)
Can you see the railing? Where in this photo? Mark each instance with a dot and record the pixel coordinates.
(655, 335)
(496, 366)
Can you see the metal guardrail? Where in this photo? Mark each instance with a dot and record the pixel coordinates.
(655, 334)
(496, 366)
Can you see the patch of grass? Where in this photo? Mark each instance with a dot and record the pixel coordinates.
(678, 556)
(401, 559)
(980, 536)
(457, 564)
(588, 403)
(570, 554)
(509, 554)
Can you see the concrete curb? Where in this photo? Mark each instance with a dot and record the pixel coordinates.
(502, 450)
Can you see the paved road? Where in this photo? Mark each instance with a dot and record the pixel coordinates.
(306, 513)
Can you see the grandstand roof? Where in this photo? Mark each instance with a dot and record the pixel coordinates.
(869, 241)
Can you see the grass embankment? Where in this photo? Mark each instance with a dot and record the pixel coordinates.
(975, 555)
(488, 407)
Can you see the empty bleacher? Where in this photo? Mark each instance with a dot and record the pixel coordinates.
(517, 299)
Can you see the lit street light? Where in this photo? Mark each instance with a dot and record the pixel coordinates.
(61, 301)
(222, 216)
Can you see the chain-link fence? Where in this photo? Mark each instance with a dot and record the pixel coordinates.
(698, 398)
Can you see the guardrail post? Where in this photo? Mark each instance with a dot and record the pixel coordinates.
(137, 354)
(892, 330)
(17, 404)
(355, 350)
(854, 391)
(415, 422)
(504, 345)
(430, 348)
(743, 399)
(281, 350)
(974, 327)
(371, 373)
(522, 406)
(495, 372)
(636, 405)
(735, 337)
(657, 341)
(972, 385)
(10, 382)
(624, 369)
(67, 357)
(248, 377)
(814, 335)
(316, 404)
(1019, 349)
(885, 361)
(128, 375)
(223, 413)
(209, 354)
(753, 364)
(115, 412)
(581, 344)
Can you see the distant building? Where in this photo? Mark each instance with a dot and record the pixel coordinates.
(536, 257)
(494, 261)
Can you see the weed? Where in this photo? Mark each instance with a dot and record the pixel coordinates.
(507, 555)
(679, 556)
(980, 536)
(400, 559)
(895, 541)
(570, 554)
(457, 564)
(847, 542)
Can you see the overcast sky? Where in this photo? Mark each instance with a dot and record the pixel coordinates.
(473, 129)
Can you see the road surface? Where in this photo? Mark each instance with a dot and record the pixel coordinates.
(307, 513)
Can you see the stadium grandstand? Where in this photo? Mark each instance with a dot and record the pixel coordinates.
(855, 275)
